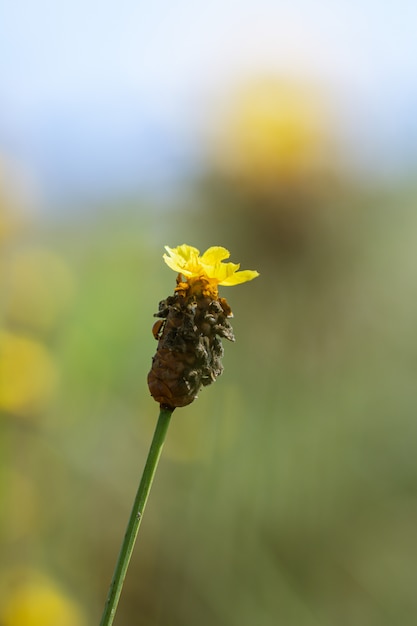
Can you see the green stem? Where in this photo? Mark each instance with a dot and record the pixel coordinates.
(135, 518)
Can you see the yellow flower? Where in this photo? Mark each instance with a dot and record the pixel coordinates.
(37, 601)
(28, 375)
(208, 267)
(192, 324)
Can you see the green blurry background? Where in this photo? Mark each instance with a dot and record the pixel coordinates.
(286, 494)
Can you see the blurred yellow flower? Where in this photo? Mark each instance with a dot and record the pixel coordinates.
(27, 375)
(37, 601)
(274, 132)
(208, 267)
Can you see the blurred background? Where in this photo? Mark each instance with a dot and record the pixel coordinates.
(286, 132)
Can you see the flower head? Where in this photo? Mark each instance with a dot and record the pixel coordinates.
(33, 599)
(192, 324)
(207, 268)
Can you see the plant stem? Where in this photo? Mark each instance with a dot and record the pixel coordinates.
(135, 518)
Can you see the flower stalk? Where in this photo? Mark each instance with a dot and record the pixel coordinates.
(135, 518)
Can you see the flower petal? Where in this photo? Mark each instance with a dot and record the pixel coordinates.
(214, 255)
(220, 271)
(186, 260)
(239, 277)
(183, 259)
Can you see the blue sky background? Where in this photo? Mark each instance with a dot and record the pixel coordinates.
(101, 97)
